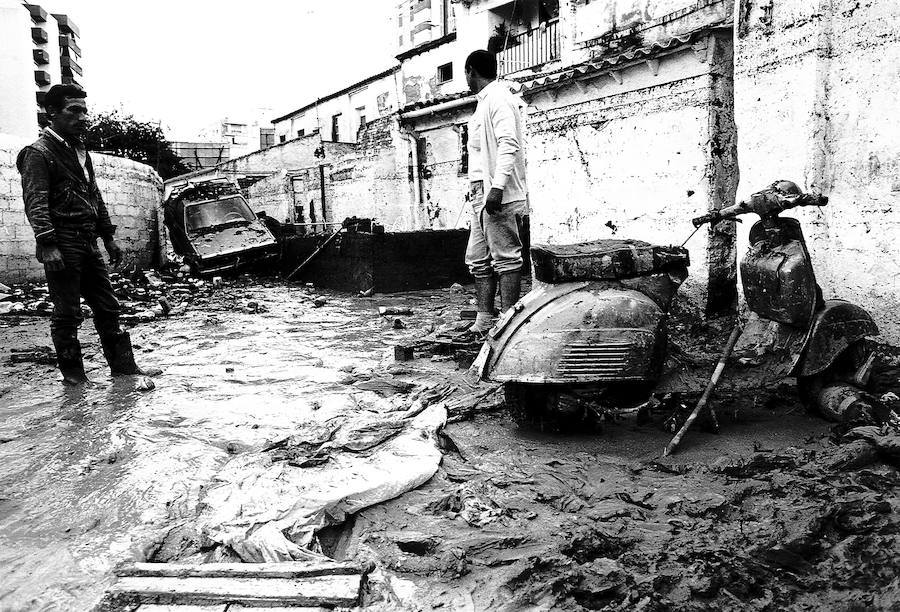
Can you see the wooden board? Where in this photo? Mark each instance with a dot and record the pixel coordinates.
(342, 590)
(289, 569)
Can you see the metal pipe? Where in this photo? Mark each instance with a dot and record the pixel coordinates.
(417, 187)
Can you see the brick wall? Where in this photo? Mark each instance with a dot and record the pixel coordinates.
(133, 193)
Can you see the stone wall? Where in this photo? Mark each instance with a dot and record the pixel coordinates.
(132, 191)
(638, 159)
(373, 180)
(816, 102)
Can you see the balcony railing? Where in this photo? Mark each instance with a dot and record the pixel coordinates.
(529, 49)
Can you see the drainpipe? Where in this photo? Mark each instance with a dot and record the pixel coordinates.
(417, 185)
(438, 108)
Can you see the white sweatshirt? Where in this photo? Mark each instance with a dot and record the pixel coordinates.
(496, 146)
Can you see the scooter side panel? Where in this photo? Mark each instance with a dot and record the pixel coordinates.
(835, 328)
(590, 335)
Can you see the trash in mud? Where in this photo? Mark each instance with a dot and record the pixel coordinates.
(38, 354)
(394, 310)
(371, 460)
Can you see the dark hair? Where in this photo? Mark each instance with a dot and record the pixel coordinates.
(483, 63)
(56, 97)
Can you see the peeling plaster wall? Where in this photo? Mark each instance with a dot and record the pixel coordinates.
(373, 180)
(419, 74)
(133, 194)
(444, 182)
(816, 85)
(633, 160)
(666, 17)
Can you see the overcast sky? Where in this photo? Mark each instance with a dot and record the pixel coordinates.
(189, 63)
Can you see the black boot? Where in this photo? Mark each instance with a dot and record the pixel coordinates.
(68, 359)
(120, 356)
(510, 289)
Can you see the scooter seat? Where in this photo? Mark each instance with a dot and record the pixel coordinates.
(604, 260)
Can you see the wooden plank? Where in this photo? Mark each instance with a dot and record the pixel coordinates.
(289, 569)
(242, 608)
(188, 608)
(312, 591)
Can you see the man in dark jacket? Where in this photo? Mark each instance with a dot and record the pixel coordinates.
(67, 214)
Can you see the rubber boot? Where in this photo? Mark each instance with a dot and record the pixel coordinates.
(69, 361)
(510, 289)
(485, 296)
(120, 356)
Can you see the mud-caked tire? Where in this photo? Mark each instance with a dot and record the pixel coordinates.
(842, 369)
(545, 408)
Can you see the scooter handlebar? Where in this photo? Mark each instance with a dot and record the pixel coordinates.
(712, 217)
(761, 206)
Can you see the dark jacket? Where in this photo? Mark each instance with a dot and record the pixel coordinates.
(57, 194)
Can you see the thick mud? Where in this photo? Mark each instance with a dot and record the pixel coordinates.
(775, 512)
(91, 477)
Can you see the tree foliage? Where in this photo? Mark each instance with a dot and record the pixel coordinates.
(116, 133)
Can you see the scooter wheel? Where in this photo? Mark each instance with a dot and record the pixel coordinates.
(842, 369)
(525, 403)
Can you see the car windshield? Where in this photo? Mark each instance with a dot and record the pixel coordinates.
(226, 211)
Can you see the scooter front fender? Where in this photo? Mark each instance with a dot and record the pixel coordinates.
(834, 328)
(576, 333)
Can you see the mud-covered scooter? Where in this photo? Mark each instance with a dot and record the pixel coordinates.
(594, 336)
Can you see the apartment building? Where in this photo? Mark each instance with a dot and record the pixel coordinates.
(37, 50)
(339, 116)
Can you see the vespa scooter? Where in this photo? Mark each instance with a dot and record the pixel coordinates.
(591, 341)
(791, 330)
(591, 336)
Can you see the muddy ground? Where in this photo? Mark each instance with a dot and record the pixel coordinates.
(774, 512)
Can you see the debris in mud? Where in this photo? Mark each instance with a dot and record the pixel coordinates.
(43, 355)
(394, 310)
(143, 296)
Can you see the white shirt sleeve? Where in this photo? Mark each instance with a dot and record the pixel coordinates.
(503, 119)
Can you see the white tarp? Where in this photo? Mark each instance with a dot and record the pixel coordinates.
(268, 510)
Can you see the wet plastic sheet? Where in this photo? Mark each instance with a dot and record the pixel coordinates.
(268, 510)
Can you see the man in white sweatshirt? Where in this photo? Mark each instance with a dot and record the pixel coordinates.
(498, 190)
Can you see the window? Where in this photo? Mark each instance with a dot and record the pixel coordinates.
(282, 138)
(266, 137)
(445, 73)
(301, 133)
(227, 211)
(335, 128)
(361, 113)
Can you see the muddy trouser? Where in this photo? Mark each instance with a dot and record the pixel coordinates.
(495, 244)
(85, 275)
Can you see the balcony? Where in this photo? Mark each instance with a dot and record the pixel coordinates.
(40, 56)
(38, 15)
(66, 25)
(69, 66)
(529, 49)
(67, 43)
(42, 77)
(39, 36)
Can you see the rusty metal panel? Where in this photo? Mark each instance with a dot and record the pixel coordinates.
(577, 333)
(777, 274)
(604, 260)
(835, 328)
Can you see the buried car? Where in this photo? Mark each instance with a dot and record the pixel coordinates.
(211, 225)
